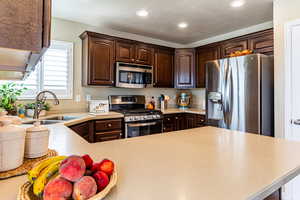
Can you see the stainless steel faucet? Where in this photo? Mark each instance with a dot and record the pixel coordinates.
(40, 100)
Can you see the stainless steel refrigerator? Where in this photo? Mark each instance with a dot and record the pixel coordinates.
(240, 94)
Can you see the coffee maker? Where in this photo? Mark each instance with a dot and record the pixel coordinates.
(184, 100)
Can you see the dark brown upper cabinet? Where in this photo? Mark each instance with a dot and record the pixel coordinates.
(133, 52)
(98, 59)
(164, 68)
(125, 51)
(203, 55)
(144, 54)
(25, 35)
(184, 68)
(232, 46)
(262, 43)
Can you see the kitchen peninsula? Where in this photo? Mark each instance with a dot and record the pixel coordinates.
(203, 163)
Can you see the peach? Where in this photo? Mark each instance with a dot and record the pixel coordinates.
(72, 168)
(96, 167)
(58, 189)
(102, 180)
(107, 166)
(85, 188)
(88, 161)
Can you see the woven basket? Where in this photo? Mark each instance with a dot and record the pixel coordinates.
(26, 193)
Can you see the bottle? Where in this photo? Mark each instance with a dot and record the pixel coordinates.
(151, 104)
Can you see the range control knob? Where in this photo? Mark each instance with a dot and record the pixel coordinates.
(157, 116)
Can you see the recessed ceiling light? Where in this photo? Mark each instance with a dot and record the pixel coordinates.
(237, 3)
(142, 13)
(182, 25)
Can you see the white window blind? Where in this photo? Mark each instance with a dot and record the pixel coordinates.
(57, 69)
(54, 72)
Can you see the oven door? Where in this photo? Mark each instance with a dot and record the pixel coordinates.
(135, 129)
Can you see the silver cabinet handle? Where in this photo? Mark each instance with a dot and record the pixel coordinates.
(297, 122)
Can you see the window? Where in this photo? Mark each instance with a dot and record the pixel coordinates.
(54, 72)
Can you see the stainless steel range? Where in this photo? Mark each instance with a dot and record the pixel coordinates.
(138, 120)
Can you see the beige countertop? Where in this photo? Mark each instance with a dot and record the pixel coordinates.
(203, 163)
(81, 117)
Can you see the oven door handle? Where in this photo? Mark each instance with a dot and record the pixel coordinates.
(142, 124)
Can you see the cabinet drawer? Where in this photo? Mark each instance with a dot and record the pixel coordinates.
(106, 136)
(107, 125)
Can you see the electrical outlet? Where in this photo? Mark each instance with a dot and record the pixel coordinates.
(88, 97)
(77, 98)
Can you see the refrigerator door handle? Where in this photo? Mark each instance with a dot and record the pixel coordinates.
(225, 93)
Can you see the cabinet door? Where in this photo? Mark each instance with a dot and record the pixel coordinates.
(203, 55)
(163, 68)
(125, 51)
(180, 122)
(83, 130)
(263, 43)
(190, 121)
(185, 68)
(233, 46)
(21, 24)
(144, 54)
(101, 62)
(169, 123)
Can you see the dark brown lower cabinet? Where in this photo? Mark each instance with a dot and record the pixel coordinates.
(181, 121)
(106, 130)
(84, 129)
(275, 196)
(100, 130)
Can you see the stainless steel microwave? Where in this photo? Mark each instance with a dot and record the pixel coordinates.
(133, 75)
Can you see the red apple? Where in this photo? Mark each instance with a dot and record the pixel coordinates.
(96, 167)
(88, 161)
(101, 179)
(107, 166)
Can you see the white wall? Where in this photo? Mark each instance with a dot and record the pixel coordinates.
(284, 11)
(69, 31)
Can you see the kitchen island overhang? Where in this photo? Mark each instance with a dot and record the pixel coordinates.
(203, 163)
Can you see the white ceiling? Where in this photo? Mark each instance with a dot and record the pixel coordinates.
(206, 18)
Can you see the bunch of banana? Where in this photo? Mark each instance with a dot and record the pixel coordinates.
(40, 174)
(37, 169)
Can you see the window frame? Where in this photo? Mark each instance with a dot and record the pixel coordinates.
(70, 83)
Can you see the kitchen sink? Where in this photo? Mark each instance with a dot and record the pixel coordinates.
(54, 120)
(45, 122)
(63, 118)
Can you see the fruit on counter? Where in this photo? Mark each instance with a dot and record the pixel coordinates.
(96, 167)
(40, 183)
(58, 189)
(107, 166)
(85, 188)
(88, 161)
(36, 170)
(54, 177)
(72, 168)
(102, 179)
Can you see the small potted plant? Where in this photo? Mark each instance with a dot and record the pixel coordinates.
(31, 106)
(9, 93)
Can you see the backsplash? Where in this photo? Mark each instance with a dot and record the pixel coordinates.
(103, 93)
